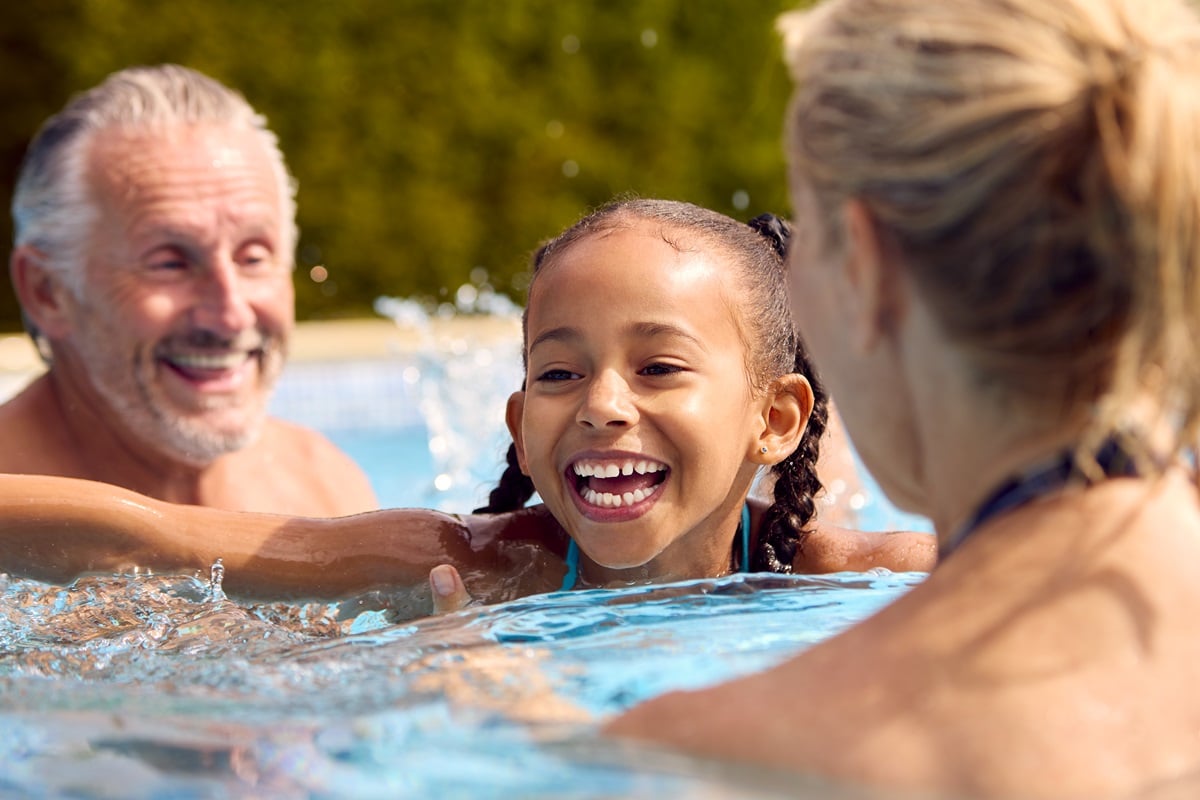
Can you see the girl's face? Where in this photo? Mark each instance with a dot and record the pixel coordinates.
(638, 425)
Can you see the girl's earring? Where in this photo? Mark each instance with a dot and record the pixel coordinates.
(763, 449)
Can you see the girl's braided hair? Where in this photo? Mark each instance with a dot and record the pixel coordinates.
(758, 250)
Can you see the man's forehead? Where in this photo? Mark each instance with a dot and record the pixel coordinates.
(131, 161)
(186, 179)
(208, 144)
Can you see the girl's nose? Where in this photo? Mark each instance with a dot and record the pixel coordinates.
(607, 402)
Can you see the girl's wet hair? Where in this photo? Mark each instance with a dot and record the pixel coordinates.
(758, 250)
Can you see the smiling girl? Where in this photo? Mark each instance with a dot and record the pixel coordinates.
(663, 373)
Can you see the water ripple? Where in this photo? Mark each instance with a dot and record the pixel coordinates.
(155, 685)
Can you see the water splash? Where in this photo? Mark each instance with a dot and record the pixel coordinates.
(216, 576)
(464, 375)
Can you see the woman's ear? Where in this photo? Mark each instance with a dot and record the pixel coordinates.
(873, 278)
(514, 416)
(785, 418)
(40, 291)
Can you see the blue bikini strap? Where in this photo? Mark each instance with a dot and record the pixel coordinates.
(572, 566)
(573, 553)
(744, 535)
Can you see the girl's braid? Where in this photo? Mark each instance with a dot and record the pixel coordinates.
(513, 490)
(784, 525)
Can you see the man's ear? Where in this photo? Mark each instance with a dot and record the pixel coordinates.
(40, 291)
(785, 418)
(873, 278)
(514, 413)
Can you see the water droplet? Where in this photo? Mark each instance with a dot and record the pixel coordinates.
(216, 576)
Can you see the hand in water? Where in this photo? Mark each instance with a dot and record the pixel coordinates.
(449, 592)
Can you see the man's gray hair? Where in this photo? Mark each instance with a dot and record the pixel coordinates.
(51, 208)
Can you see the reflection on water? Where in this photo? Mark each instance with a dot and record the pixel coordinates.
(146, 685)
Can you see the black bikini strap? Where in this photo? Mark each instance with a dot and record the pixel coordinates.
(1041, 480)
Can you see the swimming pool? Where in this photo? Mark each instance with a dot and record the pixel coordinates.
(157, 686)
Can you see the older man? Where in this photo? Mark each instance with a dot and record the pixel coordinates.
(154, 237)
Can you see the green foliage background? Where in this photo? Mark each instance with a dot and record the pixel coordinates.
(431, 137)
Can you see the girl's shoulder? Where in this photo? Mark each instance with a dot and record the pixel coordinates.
(532, 525)
(830, 548)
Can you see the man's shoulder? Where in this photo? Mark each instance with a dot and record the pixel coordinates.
(34, 433)
(284, 437)
(316, 476)
(26, 402)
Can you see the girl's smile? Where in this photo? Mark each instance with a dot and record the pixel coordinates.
(617, 486)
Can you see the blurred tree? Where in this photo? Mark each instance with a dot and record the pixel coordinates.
(431, 138)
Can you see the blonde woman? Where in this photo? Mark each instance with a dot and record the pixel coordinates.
(998, 208)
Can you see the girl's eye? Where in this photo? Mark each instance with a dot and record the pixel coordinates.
(555, 375)
(661, 369)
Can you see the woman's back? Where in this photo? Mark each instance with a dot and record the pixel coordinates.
(1054, 657)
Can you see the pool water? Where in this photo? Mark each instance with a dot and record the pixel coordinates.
(159, 686)
(144, 686)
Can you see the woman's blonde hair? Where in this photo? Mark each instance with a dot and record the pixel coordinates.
(1036, 163)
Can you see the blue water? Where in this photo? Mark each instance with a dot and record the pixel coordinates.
(155, 686)
(167, 693)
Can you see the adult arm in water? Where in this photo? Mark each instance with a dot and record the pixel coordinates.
(55, 529)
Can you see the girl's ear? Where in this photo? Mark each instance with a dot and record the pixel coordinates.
(785, 418)
(40, 292)
(514, 414)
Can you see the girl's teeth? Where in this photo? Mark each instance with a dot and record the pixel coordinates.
(609, 500)
(589, 470)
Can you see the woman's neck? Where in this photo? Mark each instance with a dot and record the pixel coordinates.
(1051, 476)
(971, 454)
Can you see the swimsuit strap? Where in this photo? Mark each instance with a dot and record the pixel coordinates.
(743, 535)
(572, 566)
(1040, 480)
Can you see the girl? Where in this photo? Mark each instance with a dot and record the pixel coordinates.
(663, 372)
